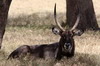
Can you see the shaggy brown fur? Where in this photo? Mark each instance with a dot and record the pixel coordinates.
(37, 51)
(65, 47)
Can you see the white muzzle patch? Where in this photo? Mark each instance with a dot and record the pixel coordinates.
(67, 47)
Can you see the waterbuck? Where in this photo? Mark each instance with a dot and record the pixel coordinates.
(65, 46)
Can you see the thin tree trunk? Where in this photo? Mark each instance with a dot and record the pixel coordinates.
(86, 9)
(4, 8)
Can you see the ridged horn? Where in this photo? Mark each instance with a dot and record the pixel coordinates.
(76, 23)
(59, 26)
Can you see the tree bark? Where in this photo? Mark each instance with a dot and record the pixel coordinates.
(4, 8)
(86, 9)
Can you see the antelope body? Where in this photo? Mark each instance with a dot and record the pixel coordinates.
(36, 51)
(65, 46)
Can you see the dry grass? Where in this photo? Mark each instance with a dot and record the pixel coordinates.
(86, 54)
(27, 27)
(24, 7)
(17, 34)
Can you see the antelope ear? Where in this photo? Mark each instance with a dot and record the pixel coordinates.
(78, 32)
(56, 31)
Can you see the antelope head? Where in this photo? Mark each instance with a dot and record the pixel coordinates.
(66, 41)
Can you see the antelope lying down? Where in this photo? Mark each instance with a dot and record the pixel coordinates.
(65, 46)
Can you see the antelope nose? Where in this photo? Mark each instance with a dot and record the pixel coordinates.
(67, 44)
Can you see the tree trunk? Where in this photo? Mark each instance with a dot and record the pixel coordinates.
(86, 9)
(4, 8)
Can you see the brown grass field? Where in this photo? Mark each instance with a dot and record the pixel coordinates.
(29, 25)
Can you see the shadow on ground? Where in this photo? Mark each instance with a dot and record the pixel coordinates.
(35, 19)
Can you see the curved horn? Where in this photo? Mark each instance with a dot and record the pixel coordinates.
(60, 27)
(76, 23)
